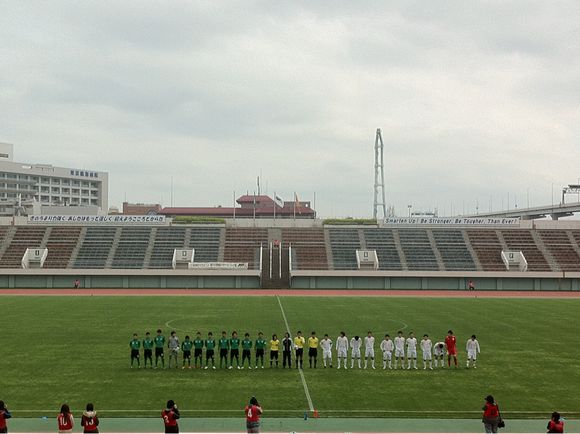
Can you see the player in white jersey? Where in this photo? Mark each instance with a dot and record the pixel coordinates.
(472, 348)
(370, 349)
(411, 350)
(400, 349)
(355, 344)
(427, 347)
(387, 349)
(439, 353)
(326, 345)
(341, 349)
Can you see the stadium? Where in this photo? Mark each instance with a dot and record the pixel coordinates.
(421, 274)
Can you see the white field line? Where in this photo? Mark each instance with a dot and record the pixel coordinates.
(306, 392)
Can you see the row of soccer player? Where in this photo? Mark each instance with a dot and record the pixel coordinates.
(404, 349)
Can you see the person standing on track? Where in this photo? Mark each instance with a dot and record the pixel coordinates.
(287, 350)
(65, 420)
(224, 346)
(4, 414)
(299, 342)
(170, 417)
(313, 349)
(341, 349)
(148, 350)
(451, 344)
(89, 420)
(274, 350)
(490, 416)
(260, 345)
(159, 347)
(556, 424)
(135, 344)
(234, 350)
(253, 413)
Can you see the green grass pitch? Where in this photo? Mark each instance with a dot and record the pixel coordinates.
(75, 350)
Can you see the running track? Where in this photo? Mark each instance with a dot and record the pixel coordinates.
(290, 293)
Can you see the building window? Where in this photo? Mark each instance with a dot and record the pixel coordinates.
(55, 190)
(85, 192)
(75, 191)
(84, 201)
(45, 180)
(56, 181)
(72, 172)
(65, 182)
(94, 185)
(75, 182)
(44, 198)
(94, 202)
(11, 176)
(66, 191)
(75, 200)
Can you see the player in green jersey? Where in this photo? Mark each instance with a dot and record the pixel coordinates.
(234, 350)
(186, 346)
(224, 345)
(246, 351)
(209, 350)
(198, 347)
(135, 344)
(260, 347)
(159, 347)
(148, 350)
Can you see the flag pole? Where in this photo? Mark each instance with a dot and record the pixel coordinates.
(294, 208)
(234, 206)
(275, 205)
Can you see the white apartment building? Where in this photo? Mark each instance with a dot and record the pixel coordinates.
(23, 184)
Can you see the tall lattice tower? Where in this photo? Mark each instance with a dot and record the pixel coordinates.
(379, 177)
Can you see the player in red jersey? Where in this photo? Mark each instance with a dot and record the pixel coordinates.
(451, 344)
(170, 416)
(90, 421)
(4, 414)
(65, 419)
(253, 412)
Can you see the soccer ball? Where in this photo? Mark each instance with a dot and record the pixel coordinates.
(295, 347)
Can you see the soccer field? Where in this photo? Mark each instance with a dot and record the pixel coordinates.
(76, 350)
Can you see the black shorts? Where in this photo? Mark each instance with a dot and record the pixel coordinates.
(260, 352)
(246, 354)
(235, 353)
(172, 429)
(312, 352)
(134, 354)
(187, 354)
(158, 352)
(224, 353)
(148, 353)
(274, 354)
(197, 352)
(208, 354)
(299, 352)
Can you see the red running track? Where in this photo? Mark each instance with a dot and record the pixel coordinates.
(290, 293)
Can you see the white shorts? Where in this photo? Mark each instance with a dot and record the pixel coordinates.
(427, 356)
(472, 355)
(370, 352)
(355, 354)
(341, 352)
(387, 355)
(399, 353)
(327, 354)
(436, 354)
(411, 354)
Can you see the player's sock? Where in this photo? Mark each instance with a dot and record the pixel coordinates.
(424, 364)
(396, 362)
(358, 363)
(366, 363)
(373, 363)
(415, 363)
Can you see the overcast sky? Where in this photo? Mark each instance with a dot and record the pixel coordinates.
(475, 99)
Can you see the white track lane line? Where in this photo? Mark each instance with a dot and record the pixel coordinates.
(306, 392)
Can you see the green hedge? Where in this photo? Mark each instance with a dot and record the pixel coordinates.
(350, 221)
(183, 220)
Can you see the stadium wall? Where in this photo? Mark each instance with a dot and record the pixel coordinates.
(130, 279)
(528, 281)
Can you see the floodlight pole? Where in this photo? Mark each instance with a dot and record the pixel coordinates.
(379, 177)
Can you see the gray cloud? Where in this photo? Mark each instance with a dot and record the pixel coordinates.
(475, 99)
